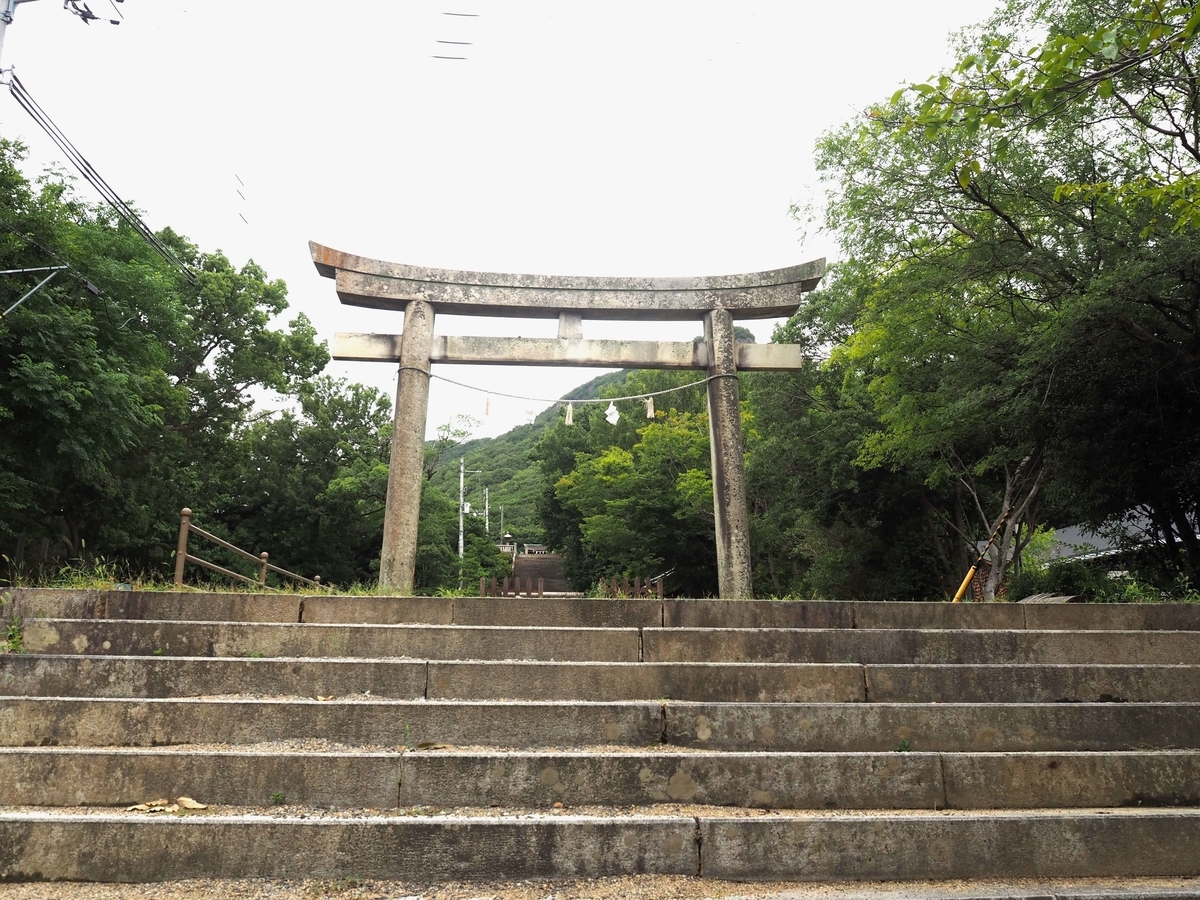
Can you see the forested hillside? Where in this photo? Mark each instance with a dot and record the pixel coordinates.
(505, 465)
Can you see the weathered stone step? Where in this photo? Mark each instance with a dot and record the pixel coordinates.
(162, 676)
(945, 727)
(114, 776)
(920, 646)
(578, 612)
(1032, 683)
(870, 727)
(335, 609)
(808, 846)
(896, 780)
(122, 637)
(996, 844)
(73, 721)
(892, 614)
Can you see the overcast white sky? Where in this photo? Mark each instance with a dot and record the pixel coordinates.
(658, 137)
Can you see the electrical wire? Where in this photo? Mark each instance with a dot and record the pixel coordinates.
(92, 177)
(644, 396)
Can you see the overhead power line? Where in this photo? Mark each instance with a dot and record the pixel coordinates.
(92, 177)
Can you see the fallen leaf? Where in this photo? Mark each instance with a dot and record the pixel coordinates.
(433, 745)
(165, 804)
(324, 698)
(152, 806)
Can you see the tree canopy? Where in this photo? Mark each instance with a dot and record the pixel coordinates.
(128, 392)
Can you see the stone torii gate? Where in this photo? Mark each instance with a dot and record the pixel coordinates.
(420, 292)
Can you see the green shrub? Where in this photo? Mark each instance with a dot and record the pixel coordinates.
(1069, 577)
(1077, 578)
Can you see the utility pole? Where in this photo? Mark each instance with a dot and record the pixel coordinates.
(75, 7)
(6, 16)
(487, 522)
(462, 472)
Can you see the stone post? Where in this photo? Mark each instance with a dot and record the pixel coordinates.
(406, 469)
(728, 459)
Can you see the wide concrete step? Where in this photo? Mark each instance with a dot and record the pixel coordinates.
(895, 780)
(892, 614)
(122, 637)
(77, 845)
(162, 676)
(1032, 683)
(442, 778)
(579, 612)
(80, 722)
(261, 776)
(743, 727)
(566, 612)
(920, 646)
(165, 676)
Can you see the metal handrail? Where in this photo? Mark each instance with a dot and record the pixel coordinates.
(182, 558)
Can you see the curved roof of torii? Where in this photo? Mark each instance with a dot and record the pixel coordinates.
(386, 285)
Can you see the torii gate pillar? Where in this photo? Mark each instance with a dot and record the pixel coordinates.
(406, 468)
(728, 459)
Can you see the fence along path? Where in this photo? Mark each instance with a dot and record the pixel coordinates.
(438, 738)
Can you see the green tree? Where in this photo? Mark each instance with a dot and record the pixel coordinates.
(120, 382)
(1011, 330)
(822, 522)
(633, 498)
(1124, 69)
(309, 485)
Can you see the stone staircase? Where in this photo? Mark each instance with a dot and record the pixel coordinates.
(530, 567)
(477, 738)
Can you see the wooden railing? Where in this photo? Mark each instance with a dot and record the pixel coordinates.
(502, 588)
(182, 558)
(614, 587)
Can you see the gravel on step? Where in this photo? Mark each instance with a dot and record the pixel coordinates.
(637, 887)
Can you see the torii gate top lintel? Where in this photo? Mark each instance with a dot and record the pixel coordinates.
(386, 285)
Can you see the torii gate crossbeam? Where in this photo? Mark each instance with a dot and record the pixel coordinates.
(419, 292)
